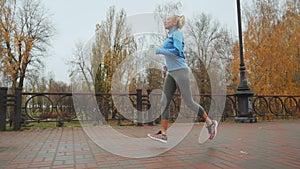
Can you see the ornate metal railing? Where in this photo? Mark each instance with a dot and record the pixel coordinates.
(59, 107)
(276, 105)
(53, 106)
(48, 106)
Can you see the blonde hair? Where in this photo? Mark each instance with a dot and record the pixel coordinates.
(180, 20)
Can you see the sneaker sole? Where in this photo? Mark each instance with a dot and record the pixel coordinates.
(156, 139)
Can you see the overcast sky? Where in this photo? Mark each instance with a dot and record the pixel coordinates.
(75, 21)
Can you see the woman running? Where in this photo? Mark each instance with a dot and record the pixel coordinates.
(177, 76)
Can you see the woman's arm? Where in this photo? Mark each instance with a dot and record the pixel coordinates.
(176, 50)
(169, 52)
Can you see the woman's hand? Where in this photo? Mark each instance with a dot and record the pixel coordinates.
(165, 69)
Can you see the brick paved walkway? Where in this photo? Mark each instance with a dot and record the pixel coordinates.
(273, 144)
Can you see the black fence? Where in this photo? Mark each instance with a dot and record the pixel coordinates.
(29, 107)
(14, 101)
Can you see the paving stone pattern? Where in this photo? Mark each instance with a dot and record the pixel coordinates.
(273, 144)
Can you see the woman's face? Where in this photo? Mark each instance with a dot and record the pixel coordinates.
(170, 22)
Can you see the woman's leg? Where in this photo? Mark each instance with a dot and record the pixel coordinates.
(168, 91)
(182, 79)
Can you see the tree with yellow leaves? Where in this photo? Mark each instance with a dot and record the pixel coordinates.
(271, 44)
(113, 44)
(25, 31)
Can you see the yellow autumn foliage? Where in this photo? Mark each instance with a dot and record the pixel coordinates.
(271, 50)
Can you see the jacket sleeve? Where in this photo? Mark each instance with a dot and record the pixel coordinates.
(169, 52)
(177, 43)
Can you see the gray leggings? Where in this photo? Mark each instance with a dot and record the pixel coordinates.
(178, 78)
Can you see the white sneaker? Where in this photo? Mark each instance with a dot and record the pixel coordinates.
(212, 129)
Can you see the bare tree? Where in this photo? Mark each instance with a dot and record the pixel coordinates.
(208, 40)
(207, 44)
(81, 66)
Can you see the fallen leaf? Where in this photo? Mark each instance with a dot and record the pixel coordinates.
(243, 152)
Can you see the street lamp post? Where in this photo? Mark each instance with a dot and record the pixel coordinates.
(243, 93)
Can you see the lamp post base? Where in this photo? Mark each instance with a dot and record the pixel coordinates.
(245, 119)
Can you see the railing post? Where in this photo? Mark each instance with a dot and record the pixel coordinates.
(17, 108)
(150, 113)
(3, 108)
(139, 106)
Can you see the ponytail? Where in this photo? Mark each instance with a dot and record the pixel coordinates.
(180, 21)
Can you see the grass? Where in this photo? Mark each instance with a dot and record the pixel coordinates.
(53, 124)
(44, 125)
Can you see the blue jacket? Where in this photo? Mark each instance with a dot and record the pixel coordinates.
(172, 49)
